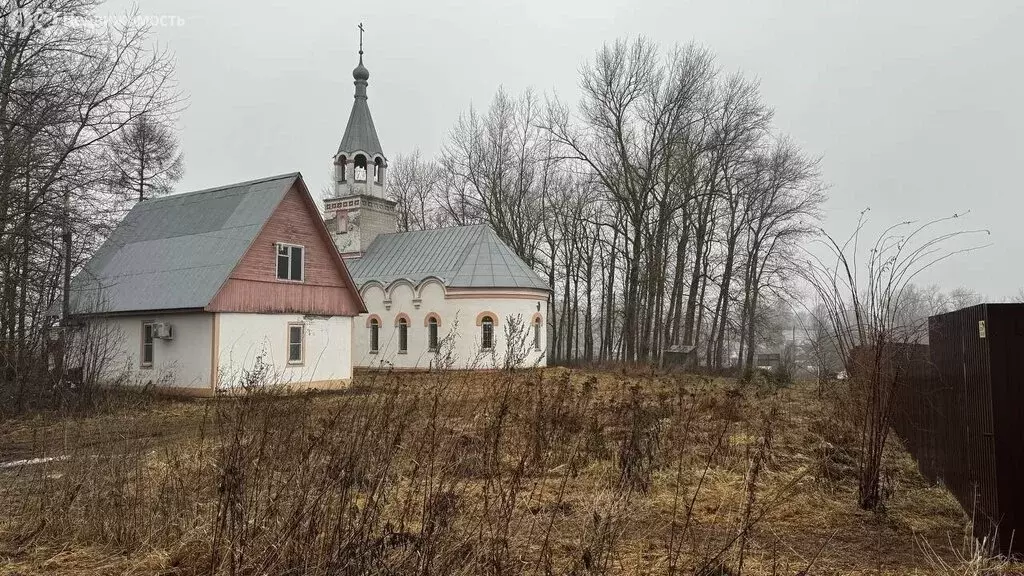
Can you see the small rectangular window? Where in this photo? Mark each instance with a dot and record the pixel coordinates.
(487, 339)
(403, 337)
(290, 262)
(536, 335)
(147, 345)
(432, 336)
(295, 343)
(374, 336)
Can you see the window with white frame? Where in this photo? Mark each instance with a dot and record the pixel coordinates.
(290, 265)
(536, 334)
(146, 360)
(296, 343)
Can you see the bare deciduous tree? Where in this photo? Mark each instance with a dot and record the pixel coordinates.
(492, 165)
(865, 305)
(661, 210)
(145, 159)
(414, 184)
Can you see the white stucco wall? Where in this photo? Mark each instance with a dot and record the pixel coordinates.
(244, 338)
(458, 317)
(183, 362)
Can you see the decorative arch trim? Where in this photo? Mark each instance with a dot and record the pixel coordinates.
(537, 318)
(373, 283)
(396, 283)
(434, 315)
(427, 281)
(371, 318)
(402, 316)
(480, 317)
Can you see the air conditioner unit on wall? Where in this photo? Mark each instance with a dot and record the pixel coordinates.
(163, 330)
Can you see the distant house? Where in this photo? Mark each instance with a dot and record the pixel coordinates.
(448, 296)
(768, 361)
(204, 291)
(680, 356)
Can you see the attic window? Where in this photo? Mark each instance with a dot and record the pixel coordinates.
(290, 262)
(360, 170)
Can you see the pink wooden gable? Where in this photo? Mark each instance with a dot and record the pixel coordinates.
(327, 288)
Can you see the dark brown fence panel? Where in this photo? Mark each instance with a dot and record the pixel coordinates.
(1005, 336)
(964, 402)
(961, 414)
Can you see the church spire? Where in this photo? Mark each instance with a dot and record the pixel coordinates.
(361, 74)
(360, 209)
(360, 133)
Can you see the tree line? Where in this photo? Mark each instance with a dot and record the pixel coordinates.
(664, 208)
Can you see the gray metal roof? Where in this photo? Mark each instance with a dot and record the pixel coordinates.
(360, 133)
(176, 252)
(462, 257)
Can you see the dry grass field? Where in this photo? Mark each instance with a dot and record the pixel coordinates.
(550, 471)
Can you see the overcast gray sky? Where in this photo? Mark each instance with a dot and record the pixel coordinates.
(917, 108)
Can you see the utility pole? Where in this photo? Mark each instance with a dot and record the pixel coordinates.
(66, 296)
(60, 363)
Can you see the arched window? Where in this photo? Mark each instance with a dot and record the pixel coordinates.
(403, 335)
(536, 333)
(378, 170)
(487, 333)
(374, 335)
(360, 170)
(432, 334)
(341, 168)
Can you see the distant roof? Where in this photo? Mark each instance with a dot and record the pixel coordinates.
(360, 133)
(177, 251)
(461, 257)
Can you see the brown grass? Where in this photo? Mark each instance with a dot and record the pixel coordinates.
(535, 472)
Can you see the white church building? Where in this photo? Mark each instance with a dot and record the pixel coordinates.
(455, 297)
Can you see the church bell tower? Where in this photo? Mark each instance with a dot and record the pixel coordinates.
(359, 210)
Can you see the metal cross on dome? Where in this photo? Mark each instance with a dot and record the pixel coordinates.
(361, 30)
